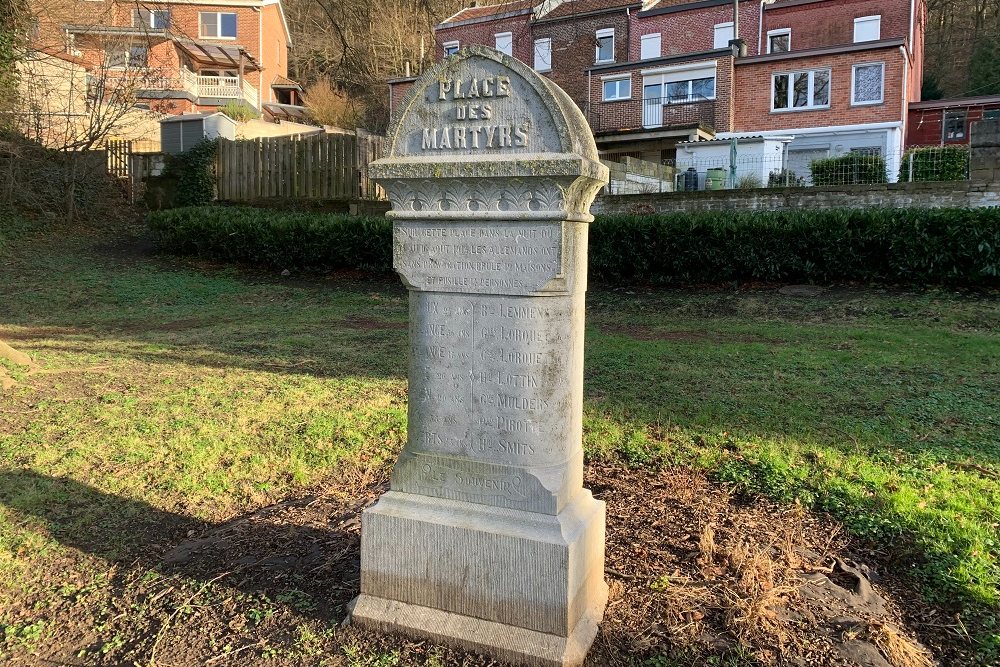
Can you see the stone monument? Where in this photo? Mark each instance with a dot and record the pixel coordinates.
(487, 538)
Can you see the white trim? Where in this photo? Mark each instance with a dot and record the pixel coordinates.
(811, 90)
(881, 99)
(218, 25)
(715, 32)
(446, 45)
(669, 69)
(534, 61)
(496, 41)
(827, 129)
(877, 19)
(218, 3)
(603, 32)
(604, 80)
(649, 38)
(284, 21)
(777, 33)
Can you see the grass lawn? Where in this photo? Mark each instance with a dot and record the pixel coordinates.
(168, 396)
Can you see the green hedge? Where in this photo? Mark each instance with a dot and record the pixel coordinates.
(271, 238)
(913, 246)
(850, 169)
(935, 163)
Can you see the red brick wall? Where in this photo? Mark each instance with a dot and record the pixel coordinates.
(573, 48)
(694, 30)
(753, 92)
(627, 114)
(397, 93)
(484, 34)
(926, 126)
(831, 22)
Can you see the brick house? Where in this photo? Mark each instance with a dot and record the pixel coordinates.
(826, 76)
(178, 57)
(949, 122)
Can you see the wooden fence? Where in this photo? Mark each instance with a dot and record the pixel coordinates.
(321, 166)
(119, 152)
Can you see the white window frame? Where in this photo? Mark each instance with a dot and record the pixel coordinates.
(600, 34)
(715, 34)
(218, 25)
(866, 21)
(854, 70)
(546, 66)
(509, 36)
(811, 90)
(646, 51)
(616, 78)
(778, 33)
(449, 45)
(137, 21)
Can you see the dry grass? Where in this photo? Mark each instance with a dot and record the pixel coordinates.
(897, 648)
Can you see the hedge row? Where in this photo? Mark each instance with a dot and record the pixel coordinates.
(913, 246)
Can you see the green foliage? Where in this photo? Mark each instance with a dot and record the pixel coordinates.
(749, 182)
(913, 246)
(849, 169)
(785, 178)
(194, 171)
(935, 163)
(916, 246)
(272, 238)
(239, 111)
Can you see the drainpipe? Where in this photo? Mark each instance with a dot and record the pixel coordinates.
(760, 29)
(738, 46)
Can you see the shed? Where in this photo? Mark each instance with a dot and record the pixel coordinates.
(183, 132)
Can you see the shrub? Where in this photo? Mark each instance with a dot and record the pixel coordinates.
(849, 169)
(275, 239)
(239, 111)
(914, 246)
(785, 178)
(749, 182)
(935, 163)
(194, 174)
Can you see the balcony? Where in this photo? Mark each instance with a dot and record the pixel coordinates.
(652, 114)
(202, 88)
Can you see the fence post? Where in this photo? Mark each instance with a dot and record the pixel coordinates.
(910, 169)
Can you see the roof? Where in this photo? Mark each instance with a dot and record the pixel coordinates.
(284, 82)
(290, 112)
(206, 53)
(654, 7)
(193, 116)
(577, 7)
(489, 11)
(956, 102)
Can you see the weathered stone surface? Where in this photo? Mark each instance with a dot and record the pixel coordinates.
(487, 538)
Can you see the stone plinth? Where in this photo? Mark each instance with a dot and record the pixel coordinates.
(488, 539)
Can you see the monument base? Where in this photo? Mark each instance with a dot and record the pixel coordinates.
(523, 586)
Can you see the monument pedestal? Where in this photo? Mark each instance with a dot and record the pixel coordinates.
(523, 586)
(487, 539)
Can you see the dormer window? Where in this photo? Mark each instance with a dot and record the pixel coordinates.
(867, 29)
(779, 41)
(450, 48)
(605, 52)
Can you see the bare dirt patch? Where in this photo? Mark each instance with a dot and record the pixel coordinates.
(695, 573)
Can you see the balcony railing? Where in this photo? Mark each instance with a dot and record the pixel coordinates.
(218, 87)
(653, 113)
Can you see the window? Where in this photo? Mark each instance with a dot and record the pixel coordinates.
(136, 55)
(605, 52)
(217, 25)
(954, 125)
(723, 33)
(450, 48)
(867, 151)
(800, 90)
(991, 114)
(866, 83)
(543, 55)
(505, 42)
(867, 28)
(154, 19)
(618, 89)
(649, 46)
(779, 41)
(690, 90)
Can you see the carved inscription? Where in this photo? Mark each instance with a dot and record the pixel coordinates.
(488, 377)
(465, 257)
(471, 108)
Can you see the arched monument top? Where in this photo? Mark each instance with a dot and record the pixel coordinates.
(482, 105)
